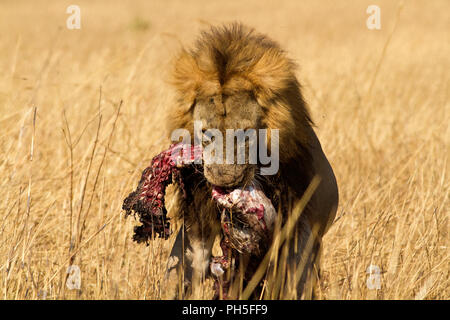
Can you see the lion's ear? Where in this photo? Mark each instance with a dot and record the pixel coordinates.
(192, 105)
(185, 104)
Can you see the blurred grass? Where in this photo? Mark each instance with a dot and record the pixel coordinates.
(388, 147)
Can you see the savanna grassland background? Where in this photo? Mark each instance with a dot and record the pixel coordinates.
(70, 150)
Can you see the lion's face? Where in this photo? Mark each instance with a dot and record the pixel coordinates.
(235, 78)
(222, 112)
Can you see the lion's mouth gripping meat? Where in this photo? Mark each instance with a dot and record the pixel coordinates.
(247, 216)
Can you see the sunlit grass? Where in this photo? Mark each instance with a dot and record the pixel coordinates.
(65, 172)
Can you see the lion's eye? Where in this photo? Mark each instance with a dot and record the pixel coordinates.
(209, 135)
(211, 100)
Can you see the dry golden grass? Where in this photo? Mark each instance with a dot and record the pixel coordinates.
(389, 145)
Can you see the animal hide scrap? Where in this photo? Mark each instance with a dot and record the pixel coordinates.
(148, 200)
(247, 217)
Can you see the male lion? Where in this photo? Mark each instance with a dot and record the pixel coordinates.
(236, 78)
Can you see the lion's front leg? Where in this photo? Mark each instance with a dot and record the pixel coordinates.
(188, 264)
(178, 271)
(302, 263)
